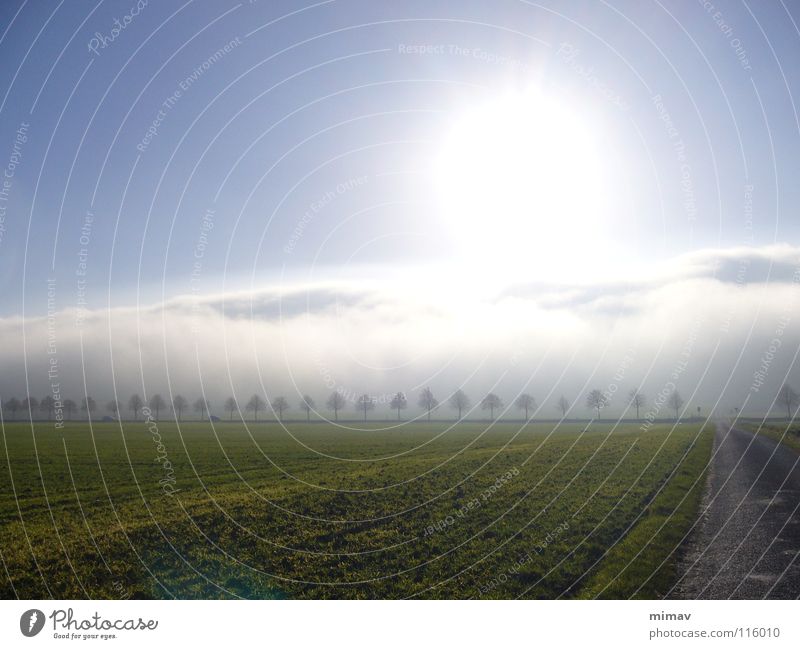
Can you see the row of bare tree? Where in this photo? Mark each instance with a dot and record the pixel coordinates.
(595, 400)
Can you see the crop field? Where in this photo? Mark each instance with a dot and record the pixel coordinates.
(316, 511)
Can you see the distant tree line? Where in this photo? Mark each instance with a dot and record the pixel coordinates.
(458, 401)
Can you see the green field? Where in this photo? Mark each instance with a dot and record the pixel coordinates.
(425, 510)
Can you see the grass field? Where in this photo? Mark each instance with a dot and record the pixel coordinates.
(425, 510)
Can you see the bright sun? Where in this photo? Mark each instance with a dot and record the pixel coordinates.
(520, 171)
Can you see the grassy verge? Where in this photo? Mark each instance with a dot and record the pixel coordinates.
(786, 433)
(643, 565)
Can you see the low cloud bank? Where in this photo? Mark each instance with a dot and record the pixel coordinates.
(721, 325)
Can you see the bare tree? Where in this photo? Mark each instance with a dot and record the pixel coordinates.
(596, 400)
(787, 397)
(427, 401)
(114, 407)
(675, 402)
(563, 405)
(70, 406)
(525, 402)
(135, 404)
(30, 404)
(365, 403)
(307, 404)
(157, 403)
(399, 402)
(255, 404)
(88, 405)
(179, 404)
(459, 401)
(490, 402)
(638, 400)
(279, 404)
(13, 405)
(202, 407)
(336, 402)
(231, 406)
(47, 404)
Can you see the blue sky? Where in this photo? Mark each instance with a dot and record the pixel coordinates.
(308, 144)
(712, 100)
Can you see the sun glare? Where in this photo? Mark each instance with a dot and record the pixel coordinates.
(522, 171)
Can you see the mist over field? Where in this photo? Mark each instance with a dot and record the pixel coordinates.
(707, 322)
